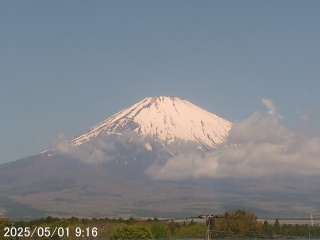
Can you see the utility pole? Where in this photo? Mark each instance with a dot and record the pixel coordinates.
(208, 222)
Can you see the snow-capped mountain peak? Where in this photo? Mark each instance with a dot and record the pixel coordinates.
(166, 119)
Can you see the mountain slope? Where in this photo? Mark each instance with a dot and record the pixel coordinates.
(166, 119)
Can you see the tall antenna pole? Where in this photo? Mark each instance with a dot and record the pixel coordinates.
(311, 220)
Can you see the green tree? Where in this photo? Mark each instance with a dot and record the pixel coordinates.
(130, 221)
(196, 230)
(173, 226)
(237, 223)
(159, 229)
(276, 226)
(276, 223)
(267, 228)
(132, 232)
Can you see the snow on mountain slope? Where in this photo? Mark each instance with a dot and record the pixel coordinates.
(166, 119)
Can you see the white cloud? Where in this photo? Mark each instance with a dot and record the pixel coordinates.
(91, 152)
(257, 146)
(182, 166)
(268, 103)
(103, 149)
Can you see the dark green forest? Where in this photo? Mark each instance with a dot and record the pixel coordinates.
(231, 224)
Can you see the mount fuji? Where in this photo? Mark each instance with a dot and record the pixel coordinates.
(105, 166)
(164, 119)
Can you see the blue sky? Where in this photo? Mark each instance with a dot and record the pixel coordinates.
(67, 65)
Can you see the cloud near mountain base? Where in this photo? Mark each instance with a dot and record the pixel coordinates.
(255, 147)
(105, 148)
(92, 152)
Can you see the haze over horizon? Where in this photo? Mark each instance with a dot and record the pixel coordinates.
(69, 65)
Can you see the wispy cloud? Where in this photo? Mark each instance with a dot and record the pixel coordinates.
(94, 152)
(103, 149)
(188, 162)
(269, 104)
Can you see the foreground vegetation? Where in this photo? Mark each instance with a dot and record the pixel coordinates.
(243, 224)
(231, 224)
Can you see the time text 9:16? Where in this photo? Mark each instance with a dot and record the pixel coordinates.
(49, 232)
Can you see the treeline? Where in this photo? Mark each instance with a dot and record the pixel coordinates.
(290, 230)
(104, 228)
(244, 224)
(231, 224)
